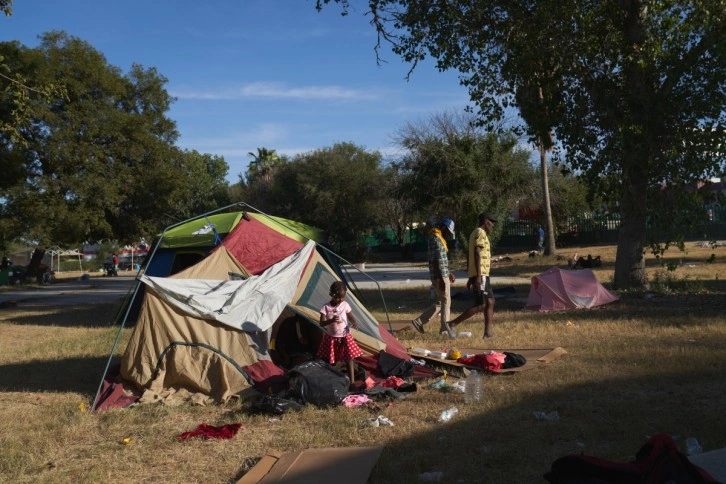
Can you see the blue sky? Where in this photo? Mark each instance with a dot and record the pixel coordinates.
(254, 73)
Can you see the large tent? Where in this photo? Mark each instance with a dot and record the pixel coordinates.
(557, 289)
(206, 332)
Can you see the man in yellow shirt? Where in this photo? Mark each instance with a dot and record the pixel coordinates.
(480, 261)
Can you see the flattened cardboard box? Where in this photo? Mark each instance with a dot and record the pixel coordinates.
(351, 465)
(533, 357)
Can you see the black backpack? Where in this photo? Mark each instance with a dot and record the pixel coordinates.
(317, 382)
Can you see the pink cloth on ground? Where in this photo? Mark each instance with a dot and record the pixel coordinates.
(355, 400)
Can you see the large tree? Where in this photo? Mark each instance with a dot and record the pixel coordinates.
(634, 89)
(100, 161)
(452, 168)
(337, 189)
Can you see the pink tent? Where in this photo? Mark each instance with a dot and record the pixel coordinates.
(557, 289)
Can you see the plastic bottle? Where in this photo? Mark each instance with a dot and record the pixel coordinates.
(693, 447)
(465, 334)
(447, 414)
(473, 388)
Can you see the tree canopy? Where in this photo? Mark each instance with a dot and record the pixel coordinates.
(99, 161)
(454, 169)
(633, 89)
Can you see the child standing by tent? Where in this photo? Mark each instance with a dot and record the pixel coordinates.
(338, 344)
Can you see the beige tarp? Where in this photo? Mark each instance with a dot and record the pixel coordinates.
(162, 327)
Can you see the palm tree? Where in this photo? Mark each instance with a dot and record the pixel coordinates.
(262, 164)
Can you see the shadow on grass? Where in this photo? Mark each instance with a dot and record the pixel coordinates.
(78, 375)
(665, 309)
(609, 419)
(81, 315)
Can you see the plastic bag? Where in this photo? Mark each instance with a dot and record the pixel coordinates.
(274, 405)
(318, 383)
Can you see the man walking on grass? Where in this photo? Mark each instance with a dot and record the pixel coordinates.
(441, 278)
(480, 261)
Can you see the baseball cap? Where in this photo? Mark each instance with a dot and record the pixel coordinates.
(449, 224)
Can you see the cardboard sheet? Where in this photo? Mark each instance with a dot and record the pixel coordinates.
(534, 357)
(351, 465)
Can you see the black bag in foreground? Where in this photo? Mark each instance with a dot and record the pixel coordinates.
(318, 383)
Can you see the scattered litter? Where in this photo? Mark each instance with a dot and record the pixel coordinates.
(403, 306)
(465, 334)
(431, 476)
(419, 362)
(448, 414)
(438, 385)
(693, 447)
(82, 407)
(379, 421)
(571, 324)
(127, 441)
(453, 354)
(421, 351)
(273, 420)
(459, 386)
(553, 416)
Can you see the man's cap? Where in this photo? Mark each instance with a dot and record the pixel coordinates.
(486, 216)
(449, 224)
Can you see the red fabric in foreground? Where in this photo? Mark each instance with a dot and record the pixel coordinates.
(210, 432)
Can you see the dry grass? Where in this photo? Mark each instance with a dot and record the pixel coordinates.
(646, 364)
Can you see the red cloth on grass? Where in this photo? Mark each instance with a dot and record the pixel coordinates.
(489, 362)
(393, 382)
(210, 432)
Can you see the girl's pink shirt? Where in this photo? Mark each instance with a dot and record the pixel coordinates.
(339, 329)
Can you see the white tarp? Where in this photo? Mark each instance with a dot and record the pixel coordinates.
(251, 305)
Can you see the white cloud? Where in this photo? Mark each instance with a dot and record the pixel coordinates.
(277, 90)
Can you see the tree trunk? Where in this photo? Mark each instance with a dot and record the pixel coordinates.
(550, 248)
(636, 149)
(630, 260)
(33, 269)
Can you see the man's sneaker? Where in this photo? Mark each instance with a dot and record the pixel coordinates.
(419, 327)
